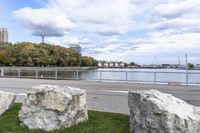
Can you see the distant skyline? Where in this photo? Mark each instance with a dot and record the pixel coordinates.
(140, 31)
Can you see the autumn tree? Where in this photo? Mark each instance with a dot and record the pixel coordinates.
(32, 54)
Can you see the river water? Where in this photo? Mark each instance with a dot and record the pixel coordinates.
(147, 75)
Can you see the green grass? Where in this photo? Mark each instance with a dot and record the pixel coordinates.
(99, 122)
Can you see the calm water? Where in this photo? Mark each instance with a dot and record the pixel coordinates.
(110, 75)
(147, 75)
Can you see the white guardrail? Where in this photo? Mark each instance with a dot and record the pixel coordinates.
(176, 78)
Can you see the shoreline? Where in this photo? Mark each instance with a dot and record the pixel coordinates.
(85, 68)
(48, 68)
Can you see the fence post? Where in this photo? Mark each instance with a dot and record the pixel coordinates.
(77, 75)
(2, 72)
(154, 77)
(36, 73)
(19, 73)
(56, 74)
(100, 76)
(186, 67)
(126, 77)
(186, 78)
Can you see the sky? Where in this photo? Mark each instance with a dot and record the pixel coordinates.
(141, 31)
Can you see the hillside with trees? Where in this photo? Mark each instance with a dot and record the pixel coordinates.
(32, 54)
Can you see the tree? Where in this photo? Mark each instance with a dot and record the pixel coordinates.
(88, 61)
(32, 54)
(6, 55)
(132, 64)
(190, 66)
(125, 65)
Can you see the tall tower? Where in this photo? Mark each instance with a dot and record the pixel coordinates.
(42, 34)
(3, 35)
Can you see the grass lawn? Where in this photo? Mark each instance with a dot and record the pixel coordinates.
(99, 122)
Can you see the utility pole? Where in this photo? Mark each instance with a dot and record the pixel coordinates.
(179, 63)
(156, 61)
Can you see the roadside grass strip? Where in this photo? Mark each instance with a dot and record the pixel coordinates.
(99, 122)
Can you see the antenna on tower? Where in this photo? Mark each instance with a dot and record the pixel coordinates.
(43, 34)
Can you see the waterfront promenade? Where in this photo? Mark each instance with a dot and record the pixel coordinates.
(108, 97)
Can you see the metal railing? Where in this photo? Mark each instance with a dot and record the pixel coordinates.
(177, 78)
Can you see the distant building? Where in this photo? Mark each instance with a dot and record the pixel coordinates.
(121, 64)
(3, 35)
(197, 66)
(165, 65)
(100, 63)
(105, 64)
(111, 64)
(76, 48)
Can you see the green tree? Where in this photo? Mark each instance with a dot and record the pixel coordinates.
(132, 64)
(7, 56)
(190, 66)
(32, 54)
(88, 61)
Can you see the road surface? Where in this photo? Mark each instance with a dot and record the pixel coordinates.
(108, 97)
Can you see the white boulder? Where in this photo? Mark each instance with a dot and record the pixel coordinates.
(6, 101)
(154, 112)
(49, 107)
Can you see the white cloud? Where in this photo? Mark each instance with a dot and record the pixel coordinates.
(179, 24)
(68, 39)
(121, 29)
(162, 45)
(176, 9)
(170, 43)
(181, 16)
(55, 23)
(99, 16)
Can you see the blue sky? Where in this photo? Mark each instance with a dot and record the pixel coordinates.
(141, 31)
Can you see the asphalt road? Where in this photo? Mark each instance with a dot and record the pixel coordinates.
(108, 97)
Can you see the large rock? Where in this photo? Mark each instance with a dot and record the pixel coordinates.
(6, 101)
(155, 112)
(50, 107)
